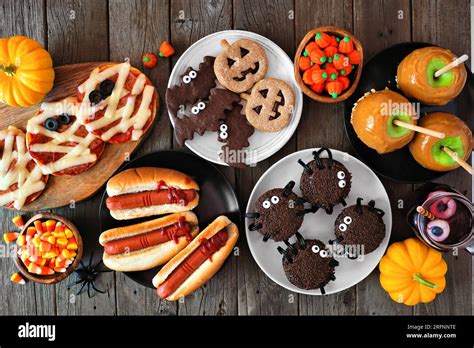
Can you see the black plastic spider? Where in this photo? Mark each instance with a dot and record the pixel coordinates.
(87, 274)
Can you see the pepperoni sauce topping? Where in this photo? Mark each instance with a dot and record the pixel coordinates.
(204, 252)
(145, 240)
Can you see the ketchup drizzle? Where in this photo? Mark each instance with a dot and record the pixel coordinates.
(175, 195)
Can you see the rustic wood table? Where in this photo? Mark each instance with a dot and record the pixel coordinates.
(87, 30)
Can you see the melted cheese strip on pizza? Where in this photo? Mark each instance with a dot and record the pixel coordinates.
(13, 170)
(74, 155)
(113, 113)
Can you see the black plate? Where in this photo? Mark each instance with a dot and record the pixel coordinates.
(378, 73)
(216, 196)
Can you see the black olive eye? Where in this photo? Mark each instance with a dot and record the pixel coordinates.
(95, 97)
(106, 87)
(65, 118)
(51, 124)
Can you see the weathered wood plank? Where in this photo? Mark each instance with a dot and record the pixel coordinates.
(446, 23)
(322, 125)
(148, 23)
(379, 25)
(190, 21)
(22, 18)
(258, 295)
(77, 32)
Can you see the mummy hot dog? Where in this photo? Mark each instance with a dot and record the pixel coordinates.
(147, 191)
(148, 244)
(198, 262)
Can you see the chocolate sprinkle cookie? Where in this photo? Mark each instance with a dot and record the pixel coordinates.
(360, 225)
(310, 268)
(278, 214)
(325, 186)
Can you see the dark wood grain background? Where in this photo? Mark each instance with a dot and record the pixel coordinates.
(95, 30)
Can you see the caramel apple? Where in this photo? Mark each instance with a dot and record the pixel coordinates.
(415, 76)
(373, 116)
(428, 151)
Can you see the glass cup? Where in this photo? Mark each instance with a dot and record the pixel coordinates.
(462, 231)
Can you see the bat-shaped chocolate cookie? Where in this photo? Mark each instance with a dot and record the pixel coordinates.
(205, 116)
(194, 85)
(235, 131)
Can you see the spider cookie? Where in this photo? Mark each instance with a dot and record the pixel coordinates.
(270, 105)
(205, 116)
(278, 213)
(58, 142)
(21, 180)
(308, 264)
(360, 225)
(118, 103)
(325, 182)
(235, 131)
(194, 85)
(241, 65)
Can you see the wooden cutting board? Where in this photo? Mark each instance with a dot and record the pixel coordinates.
(66, 190)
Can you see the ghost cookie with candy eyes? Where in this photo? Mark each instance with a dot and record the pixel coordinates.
(278, 213)
(270, 105)
(360, 226)
(194, 85)
(241, 65)
(325, 182)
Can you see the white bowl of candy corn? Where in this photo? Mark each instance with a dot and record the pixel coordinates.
(49, 248)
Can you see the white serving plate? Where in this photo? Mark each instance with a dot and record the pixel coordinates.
(365, 184)
(262, 144)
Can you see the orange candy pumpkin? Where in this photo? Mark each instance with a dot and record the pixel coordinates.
(340, 61)
(318, 88)
(309, 47)
(322, 39)
(318, 56)
(346, 45)
(305, 63)
(330, 51)
(345, 82)
(319, 76)
(354, 57)
(334, 88)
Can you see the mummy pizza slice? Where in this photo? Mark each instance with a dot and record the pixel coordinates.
(21, 180)
(58, 142)
(118, 103)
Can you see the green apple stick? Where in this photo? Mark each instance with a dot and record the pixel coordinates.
(451, 65)
(419, 129)
(460, 161)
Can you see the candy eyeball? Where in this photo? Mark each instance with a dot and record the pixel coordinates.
(199, 107)
(341, 183)
(190, 76)
(438, 230)
(223, 131)
(341, 175)
(266, 204)
(343, 227)
(275, 199)
(323, 253)
(315, 249)
(347, 220)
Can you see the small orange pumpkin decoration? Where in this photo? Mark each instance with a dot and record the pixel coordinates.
(26, 71)
(411, 272)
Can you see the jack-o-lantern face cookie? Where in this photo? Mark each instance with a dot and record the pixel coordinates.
(270, 105)
(241, 65)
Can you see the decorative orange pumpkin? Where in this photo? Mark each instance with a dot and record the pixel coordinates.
(334, 88)
(26, 71)
(319, 76)
(340, 61)
(411, 272)
(322, 39)
(318, 56)
(346, 45)
(309, 47)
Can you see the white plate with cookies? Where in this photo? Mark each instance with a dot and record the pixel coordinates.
(262, 144)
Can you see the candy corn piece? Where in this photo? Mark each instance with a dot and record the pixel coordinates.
(34, 268)
(39, 226)
(72, 244)
(18, 221)
(10, 237)
(50, 225)
(21, 240)
(46, 271)
(30, 231)
(62, 242)
(68, 233)
(17, 278)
